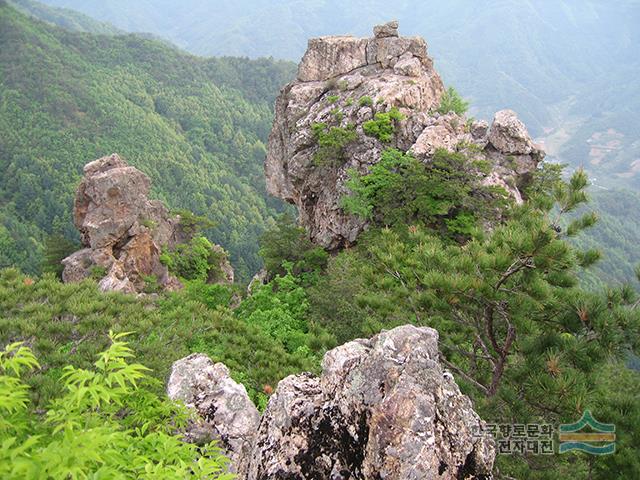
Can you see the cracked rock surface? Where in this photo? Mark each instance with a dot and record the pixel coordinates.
(382, 409)
(226, 413)
(123, 231)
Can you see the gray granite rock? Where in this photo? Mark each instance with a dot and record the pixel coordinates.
(226, 413)
(382, 408)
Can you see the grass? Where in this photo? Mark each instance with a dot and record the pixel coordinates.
(68, 324)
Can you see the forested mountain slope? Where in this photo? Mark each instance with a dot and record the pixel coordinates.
(464, 234)
(197, 127)
(546, 59)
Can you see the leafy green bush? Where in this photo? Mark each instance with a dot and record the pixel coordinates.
(451, 101)
(331, 143)
(196, 260)
(365, 101)
(151, 284)
(212, 295)
(333, 98)
(97, 272)
(382, 126)
(280, 309)
(106, 424)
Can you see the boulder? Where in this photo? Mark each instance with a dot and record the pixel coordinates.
(227, 275)
(389, 29)
(327, 57)
(382, 408)
(123, 231)
(407, 65)
(509, 135)
(259, 279)
(226, 414)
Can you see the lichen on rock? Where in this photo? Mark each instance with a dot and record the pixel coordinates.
(226, 414)
(382, 408)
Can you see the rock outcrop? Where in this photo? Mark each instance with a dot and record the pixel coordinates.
(344, 81)
(382, 408)
(225, 411)
(122, 230)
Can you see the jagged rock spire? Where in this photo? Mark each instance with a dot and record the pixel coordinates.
(343, 81)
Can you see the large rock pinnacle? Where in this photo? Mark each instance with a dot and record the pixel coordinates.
(122, 230)
(343, 82)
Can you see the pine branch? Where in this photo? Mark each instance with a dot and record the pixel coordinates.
(460, 372)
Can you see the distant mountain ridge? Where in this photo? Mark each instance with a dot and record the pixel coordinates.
(64, 17)
(554, 62)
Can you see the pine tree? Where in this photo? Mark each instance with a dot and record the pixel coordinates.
(56, 249)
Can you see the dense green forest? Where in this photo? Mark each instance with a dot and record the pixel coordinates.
(197, 127)
(64, 17)
(615, 234)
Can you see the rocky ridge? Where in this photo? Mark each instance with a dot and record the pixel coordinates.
(122, 230)
(382, 408)
(343, 82)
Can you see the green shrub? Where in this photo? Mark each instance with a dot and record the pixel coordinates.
(365, 101)
(62, 324)
(196, 260)
(442, 194)
(56, 249)
(451, 101)
(288, 243)
(280, 310)
(150, 224)
(382, 126)
(151, 284)
(97, 272)
(212, 295)
(333, 99)
(193, 224)
(105, 425)
(331, 143)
